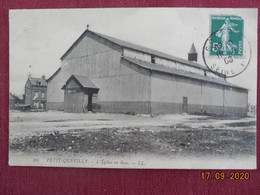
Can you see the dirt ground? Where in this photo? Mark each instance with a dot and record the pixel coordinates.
(119, 134)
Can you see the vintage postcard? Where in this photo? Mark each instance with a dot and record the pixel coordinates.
(159, 88)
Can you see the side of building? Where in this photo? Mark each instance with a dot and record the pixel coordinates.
(134, 79)
(176, 91)
(122, 89)
(35, 92)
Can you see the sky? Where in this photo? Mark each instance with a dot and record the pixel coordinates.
(38, 38)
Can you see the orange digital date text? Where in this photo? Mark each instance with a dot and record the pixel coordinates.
(223, 176)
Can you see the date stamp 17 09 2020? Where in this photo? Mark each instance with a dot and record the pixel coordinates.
(226, 52)
(224, 176)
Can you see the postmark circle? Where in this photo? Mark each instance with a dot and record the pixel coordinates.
(226, 66)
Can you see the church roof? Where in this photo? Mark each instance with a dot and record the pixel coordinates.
(174, 71)
(192, 49)
(136, 47)
(82, 81)
(85, 81)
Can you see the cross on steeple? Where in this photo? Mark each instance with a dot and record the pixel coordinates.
(87, 26)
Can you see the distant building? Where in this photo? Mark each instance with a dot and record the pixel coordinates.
(11, 101)
(111, 75)
(35, 92)
(14, 100)
(252, 109)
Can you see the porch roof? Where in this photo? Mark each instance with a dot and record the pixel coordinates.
(83, 82)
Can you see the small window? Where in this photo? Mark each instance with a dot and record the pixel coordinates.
(153, 59)
(43, 94)
(205, 73)
(39, 83)
(36, 94)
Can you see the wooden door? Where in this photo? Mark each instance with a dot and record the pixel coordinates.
(89, 102)
(85, 103)
(185, 105)
(73, 102)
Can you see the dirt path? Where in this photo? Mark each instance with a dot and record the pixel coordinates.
(118, 135)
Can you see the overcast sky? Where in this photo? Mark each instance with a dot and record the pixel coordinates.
(38, 38)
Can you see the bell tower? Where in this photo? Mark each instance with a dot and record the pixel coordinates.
(193, 55)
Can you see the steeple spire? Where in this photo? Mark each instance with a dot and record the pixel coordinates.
(193, 49)
(193, 55)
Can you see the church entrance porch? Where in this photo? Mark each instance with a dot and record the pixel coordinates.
(78, 94)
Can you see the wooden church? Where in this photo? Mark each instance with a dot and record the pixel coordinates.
(104, 74)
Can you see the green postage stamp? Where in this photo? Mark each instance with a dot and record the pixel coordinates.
(227, 52)
(227, 36)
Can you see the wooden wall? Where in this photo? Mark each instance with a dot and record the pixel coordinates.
(167, 94)
(55, 95)
(100, 61)
(74, 102)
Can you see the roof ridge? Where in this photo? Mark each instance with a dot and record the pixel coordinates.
(84, 81)
(177, 58)
(179, 72)
(127, 44)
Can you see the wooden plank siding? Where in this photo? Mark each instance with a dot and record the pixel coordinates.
(55, 95)
(100, 61)
(167, 92)
(74, 102)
